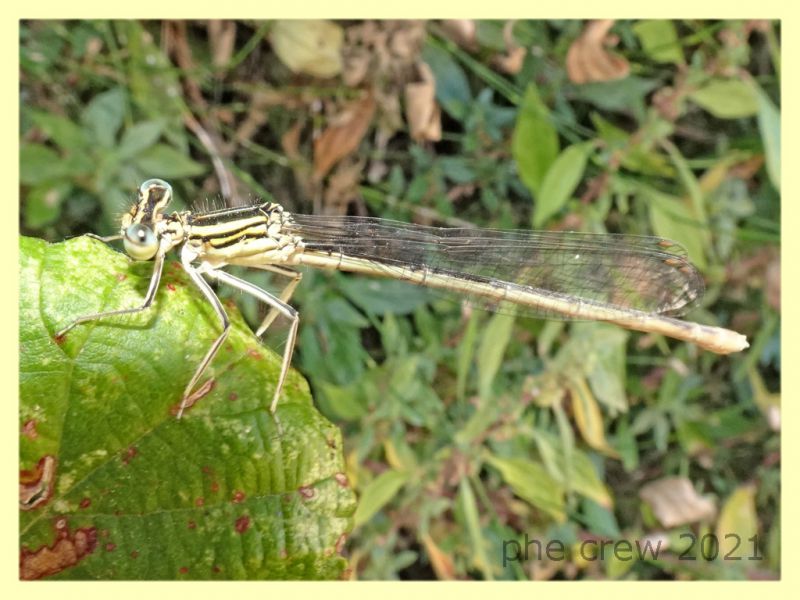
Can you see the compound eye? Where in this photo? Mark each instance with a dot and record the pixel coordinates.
(140, 242)
(154, 196)
(161, 186)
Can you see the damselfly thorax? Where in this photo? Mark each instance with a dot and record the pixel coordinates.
(637, 282)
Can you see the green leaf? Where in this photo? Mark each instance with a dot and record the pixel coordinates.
(138, 138)
(660, 40)
(43, 204)
(535, 142)
(63, 132)
(572, 469)
(457, 169)
(531, 482)
(672, 219)
(382, 296)
(491, 350)
(452, 88)
(38, 163)
(378, 493)
(466, 350)
(104, 115)
(561, 180)
(471, 515)
(601, 520)
(769, 124)
(227, 492)
(727, 99)
(624, 95)
(696, 201)
(607, 377)
(340, 402)
(168, 163)
(738, 518)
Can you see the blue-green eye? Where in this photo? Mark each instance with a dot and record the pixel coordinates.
(140, 242)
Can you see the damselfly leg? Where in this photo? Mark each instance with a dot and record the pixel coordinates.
(285, 296)
(105, 239)
(187, 256)
(277, 305)
(158, 267)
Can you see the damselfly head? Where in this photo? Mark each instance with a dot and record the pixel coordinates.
(139, 223)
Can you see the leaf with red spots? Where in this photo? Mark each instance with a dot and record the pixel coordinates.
(214, 495)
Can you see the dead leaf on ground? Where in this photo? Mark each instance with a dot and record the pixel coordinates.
(748, 168)
(588, 59)
(422, 112)
(588, 416)
(511, 62)
(440, 561)
(342, 187)
(759, 270)
(675, 502)
(356, 66)
(343, 135)
(407, 39)
(463, 32)
(669, 103)
(384, 55)
(309, 46)
(290, 141)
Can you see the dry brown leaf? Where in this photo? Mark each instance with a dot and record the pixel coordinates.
(442, 564)
(588, 416)
(748, 168)
(463, 32)
(343, 135)
(342, 187)
(356, 66)
(588, 60)
(406, 40)
(511, 62)
(668, 102)
(309, 46)
(422, 112)
(221, 38)
(675, 501)
(290, 141)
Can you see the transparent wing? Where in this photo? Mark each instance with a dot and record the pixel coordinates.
(627, 272)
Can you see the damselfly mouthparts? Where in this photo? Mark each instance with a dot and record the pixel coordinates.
(636, 282)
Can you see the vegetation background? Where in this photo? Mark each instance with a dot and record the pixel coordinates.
(466, 433)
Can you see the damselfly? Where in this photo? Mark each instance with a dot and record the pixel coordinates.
(636, 282)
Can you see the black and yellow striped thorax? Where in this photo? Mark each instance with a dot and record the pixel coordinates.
(239, 231)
